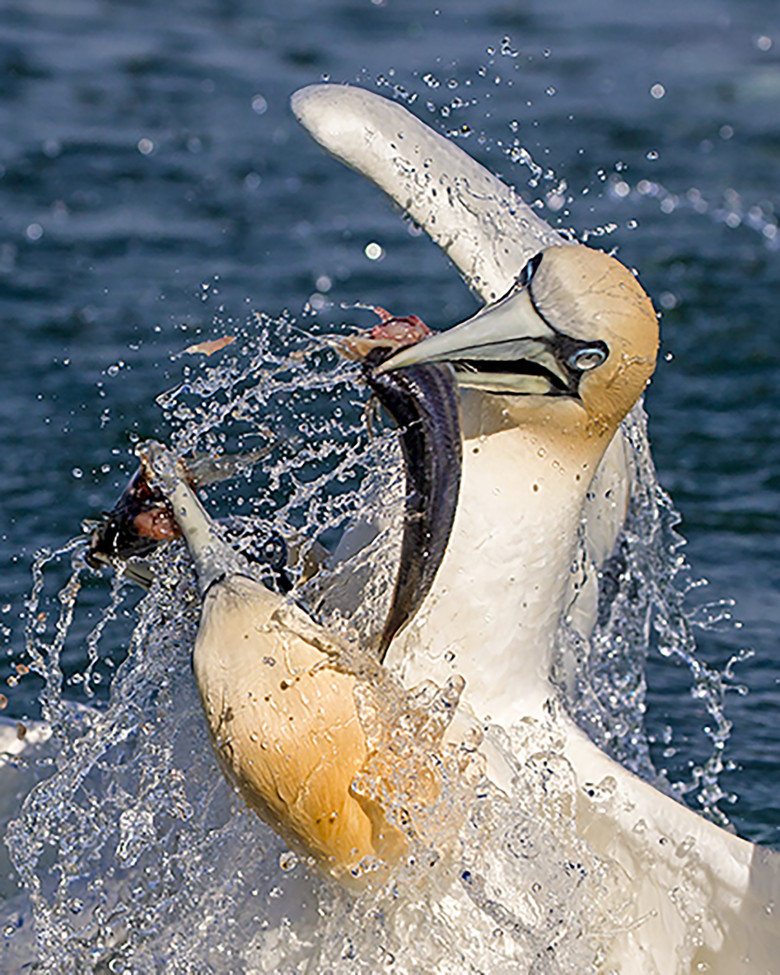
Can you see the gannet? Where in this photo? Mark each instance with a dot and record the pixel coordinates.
(488, 232)
(290, 726)
(548, 371)
(278, 699)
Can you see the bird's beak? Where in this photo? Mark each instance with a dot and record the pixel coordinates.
(506, 347)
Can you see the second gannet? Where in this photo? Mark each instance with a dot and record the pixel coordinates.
(297, 714)
(547, 374)
(279, 697)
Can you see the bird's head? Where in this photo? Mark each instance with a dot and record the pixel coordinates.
(575, 328)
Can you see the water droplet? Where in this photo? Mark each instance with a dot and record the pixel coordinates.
(685, 847)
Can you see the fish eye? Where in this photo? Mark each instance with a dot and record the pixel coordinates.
(526, 275)
(588, 358)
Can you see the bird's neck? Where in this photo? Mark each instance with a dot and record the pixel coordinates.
(213, 557)
(496, 603)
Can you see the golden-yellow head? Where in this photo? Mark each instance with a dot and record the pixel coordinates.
(576, 325)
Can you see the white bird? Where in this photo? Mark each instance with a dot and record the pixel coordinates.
(548, 372)
(487, 231)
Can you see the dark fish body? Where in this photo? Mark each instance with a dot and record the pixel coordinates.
(423, 402)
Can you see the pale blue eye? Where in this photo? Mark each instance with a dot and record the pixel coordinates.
(530, 269)
(584, 359)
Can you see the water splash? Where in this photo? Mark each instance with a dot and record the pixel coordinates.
(135, 854)
(132, 848)
(463, 101)
(645, 608)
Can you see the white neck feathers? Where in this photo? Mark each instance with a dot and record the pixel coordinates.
(494, 609)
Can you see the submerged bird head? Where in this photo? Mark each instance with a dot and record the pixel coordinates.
(575, 328)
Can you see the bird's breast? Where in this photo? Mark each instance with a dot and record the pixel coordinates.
(285, 726)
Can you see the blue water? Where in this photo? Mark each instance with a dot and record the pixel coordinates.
(152, 181)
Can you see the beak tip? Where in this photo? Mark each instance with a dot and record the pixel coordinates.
(403, 357)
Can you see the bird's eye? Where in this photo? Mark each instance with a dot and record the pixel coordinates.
(525, 276)
(588, 358)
